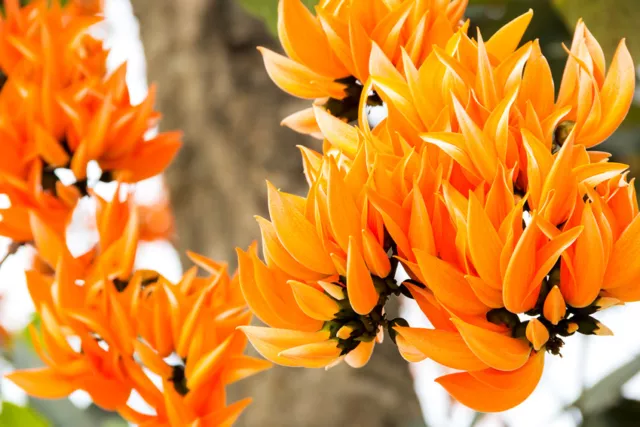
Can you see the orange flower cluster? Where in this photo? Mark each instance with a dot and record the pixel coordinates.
(60, 110)
(106, 328)
(478, 184)
(328, 54)
(109, 330)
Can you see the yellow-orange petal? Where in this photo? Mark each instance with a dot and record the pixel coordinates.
(495, 391)
(50, 245)
(448, 284)
(420, 229)
(303, 121)
(336, 291)
(241, 367)
(485, 245)
(555, 307)
(43, 383)
(340, 134)
(252, 293)
(270, 342)
(624, 267)
(444, 347)
(485, 293)
(497, 350)
(314, 355)
(374, 255)
(616, 95)
(537, 334)
(409, 352)
(275, 252)
(589, 262)
(297, 234)
(344, 215)
(226, 416)
(208, 365)
(360, 356)
(360, 289)
(314, 303)
(297, 79)
(505, 41)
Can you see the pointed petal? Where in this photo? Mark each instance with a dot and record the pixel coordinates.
(448, 284)
(360, 289)
(497, 350)
(359, 357)
(297, 234)
(506, 39)
(494, 391)
(314, 303)
(444, 347)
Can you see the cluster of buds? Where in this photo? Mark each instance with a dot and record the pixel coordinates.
(106, 328)
(479, 183)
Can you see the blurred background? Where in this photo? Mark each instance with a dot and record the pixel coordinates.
(212, 85)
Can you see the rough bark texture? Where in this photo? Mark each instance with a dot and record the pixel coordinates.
(212, 84)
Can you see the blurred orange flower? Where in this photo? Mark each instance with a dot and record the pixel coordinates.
(59, 110)
(109, 330)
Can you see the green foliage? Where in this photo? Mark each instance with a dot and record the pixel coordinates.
(625, 413)
(267, 10)
(607, 392)
(14, 416)
(114, 423)
(608, 20)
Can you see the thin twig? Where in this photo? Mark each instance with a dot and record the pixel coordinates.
(13, 248)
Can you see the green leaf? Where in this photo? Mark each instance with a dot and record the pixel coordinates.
(114, 422)
(607, 392)
(13, 416)
(624, 414)
(608, 20)
(267, 10)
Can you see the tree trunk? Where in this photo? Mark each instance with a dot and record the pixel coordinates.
(212, 84)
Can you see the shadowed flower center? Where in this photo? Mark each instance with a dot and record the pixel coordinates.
(51, 175)
(179, 379)
(544, 326)
(561, 134)
(351, 328)
(347, 107)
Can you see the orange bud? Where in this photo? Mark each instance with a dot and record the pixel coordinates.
(572, 327)
(554, 306)
(344, 332)
(537, 334)
(602, 330)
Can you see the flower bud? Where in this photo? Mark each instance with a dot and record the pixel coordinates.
(554, 308)
(537, 334)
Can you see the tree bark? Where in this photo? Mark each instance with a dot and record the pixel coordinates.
(212, 85)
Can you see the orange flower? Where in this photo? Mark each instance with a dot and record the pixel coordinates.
(327, 274)
(61, 114)
(128, 322)
(480, 183)
(328, 54)
(480, 92)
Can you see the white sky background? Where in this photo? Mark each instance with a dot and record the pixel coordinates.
(586, 359)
